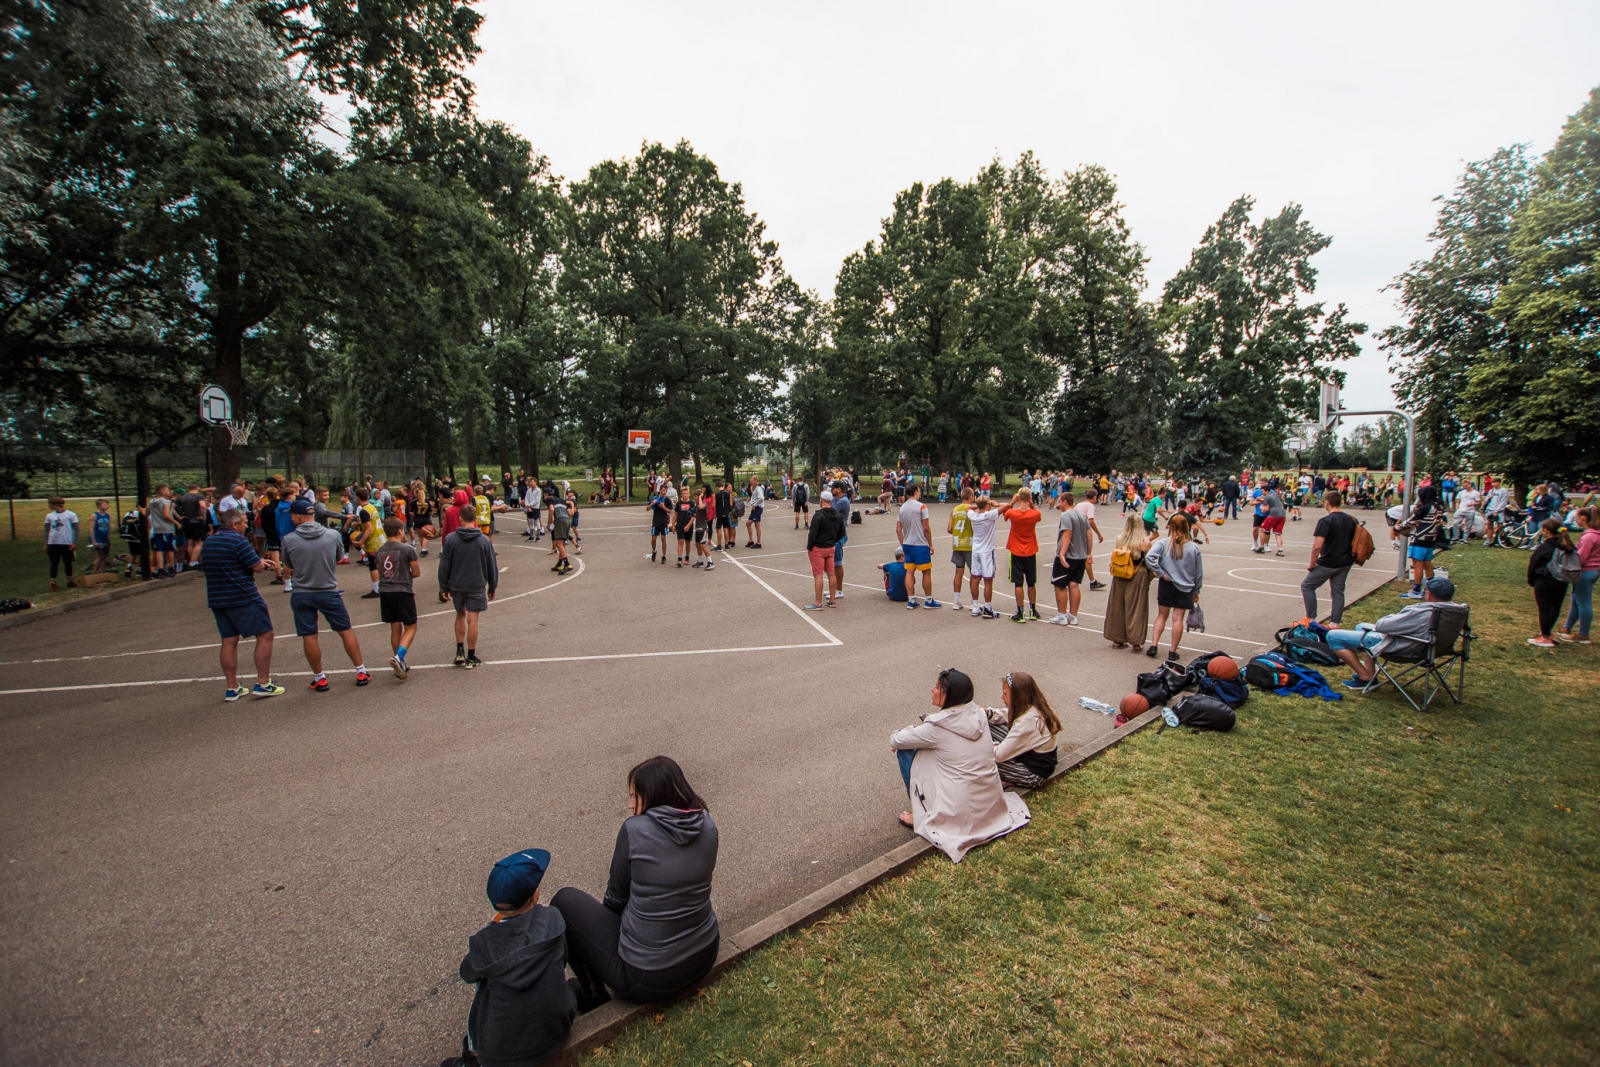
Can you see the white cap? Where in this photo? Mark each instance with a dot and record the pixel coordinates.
(827, 497)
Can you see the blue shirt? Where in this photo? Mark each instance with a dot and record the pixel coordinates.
(894, 581)
(229, 565)
(102, 528)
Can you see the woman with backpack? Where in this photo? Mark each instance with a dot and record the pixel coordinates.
(1548, 589)
(1175, 560)
(1128, 603)
(1582, 610)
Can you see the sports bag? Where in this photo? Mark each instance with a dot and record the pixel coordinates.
(1269, 670)
(1201, 712)
(1232, 692)
(1361, 546)
(1122, 564)
(1303, 643)
(1564, 566)
(1162, 684)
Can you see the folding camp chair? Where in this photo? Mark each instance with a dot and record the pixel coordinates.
(1427, 666)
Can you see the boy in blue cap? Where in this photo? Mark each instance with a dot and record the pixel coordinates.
(524, 1006)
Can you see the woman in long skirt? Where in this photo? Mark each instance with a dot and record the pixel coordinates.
(1128, 604)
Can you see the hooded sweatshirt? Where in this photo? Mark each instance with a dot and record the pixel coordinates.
(523, 1008)
(467, 562)
(661, 885)
(312, 552)
(957, 800)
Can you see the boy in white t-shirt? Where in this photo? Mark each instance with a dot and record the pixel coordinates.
(60, 538)
(983, 517)
(1467, 501)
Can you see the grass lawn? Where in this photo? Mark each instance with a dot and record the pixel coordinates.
(1329, 883)
(25, 571)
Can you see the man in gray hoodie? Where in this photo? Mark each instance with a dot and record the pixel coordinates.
(310, 556)
(469, 573)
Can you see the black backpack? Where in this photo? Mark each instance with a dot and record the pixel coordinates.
(1162, 684)
(1269, 670)
(1300, 644)
(1232, 693)
(1201, 712)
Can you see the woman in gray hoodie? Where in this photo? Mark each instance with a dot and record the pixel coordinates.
(1175, 559)
(654, 935)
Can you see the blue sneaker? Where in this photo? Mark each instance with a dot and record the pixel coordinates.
(1412, 595)
(1355, 683)
(267, 690)
(932, 604)
(911, 605)
(230, 695)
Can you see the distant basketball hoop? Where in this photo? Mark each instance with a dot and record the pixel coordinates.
(216, 407)
(239, 432)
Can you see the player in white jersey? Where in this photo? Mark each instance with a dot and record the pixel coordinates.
(532, 507)
(983, 516)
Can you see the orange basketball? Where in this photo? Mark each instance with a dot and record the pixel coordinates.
(1217, 520)
(1222, 668)
(1133, 704)
(428, 531)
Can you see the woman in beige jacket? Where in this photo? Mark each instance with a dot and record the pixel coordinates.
(947, 762)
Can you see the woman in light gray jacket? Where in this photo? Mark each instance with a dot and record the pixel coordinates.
(1175, 561)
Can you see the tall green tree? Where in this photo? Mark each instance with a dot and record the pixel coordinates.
(1250, 347)
(1535, 402)
(1449, 303)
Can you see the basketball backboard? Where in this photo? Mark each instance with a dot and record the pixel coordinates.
(216, 407)
(1328, 406)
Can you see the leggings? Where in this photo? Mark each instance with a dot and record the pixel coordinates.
(1548, 594)
(1582, 609)
(59, 555)
(593, 933)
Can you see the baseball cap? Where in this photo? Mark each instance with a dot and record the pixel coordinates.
(302, 507)
(515, 878)
(827, 497)
(1441, 588)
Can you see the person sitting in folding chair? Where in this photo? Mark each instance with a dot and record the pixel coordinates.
(1421, 638)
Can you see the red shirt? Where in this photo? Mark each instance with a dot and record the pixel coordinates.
(1022, 541)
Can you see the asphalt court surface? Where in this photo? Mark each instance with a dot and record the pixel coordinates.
(293, 880)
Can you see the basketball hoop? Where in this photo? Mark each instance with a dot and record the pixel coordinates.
(239, 431)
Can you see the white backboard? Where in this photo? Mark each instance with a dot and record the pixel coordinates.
(216, 407)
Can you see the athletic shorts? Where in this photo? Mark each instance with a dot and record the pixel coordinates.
(1070, 574)
(838, 551)
(686, 533)
(102, 551)
(307, 605)
(802, 509)
(397, 607)
(245, 620)
(1256, 521)
(821, 560)
(1272, 524)
(561, 531)
(724, 522)
(470, 599)
(1417, 552)
(658, 530)
(166, 542)
(1149, 527)
(195, 529)
(755, 514)
(983, 563)
(961, 558)
(918, 557)
(1025, 571)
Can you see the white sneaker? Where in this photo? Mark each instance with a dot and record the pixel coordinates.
(977, 611)
(1072, 620)
(1061, 620)
(958, 605)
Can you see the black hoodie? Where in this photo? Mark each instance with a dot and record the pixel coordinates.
(524, 1007)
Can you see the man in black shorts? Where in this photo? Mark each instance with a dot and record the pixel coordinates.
(725, 527)
(191, 509)
(1072, 555)
(802, 506)
(394, 567)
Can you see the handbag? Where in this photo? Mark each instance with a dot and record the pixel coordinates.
(1196, 620)
(1122, 565)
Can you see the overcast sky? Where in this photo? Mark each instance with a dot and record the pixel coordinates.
(1361, 112)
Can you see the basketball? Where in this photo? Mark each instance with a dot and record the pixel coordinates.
(1133, 704)
(1217, 520)
(1222, 668)
(428, 531)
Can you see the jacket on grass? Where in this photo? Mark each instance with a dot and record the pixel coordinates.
(523, 1007)
(957, 800)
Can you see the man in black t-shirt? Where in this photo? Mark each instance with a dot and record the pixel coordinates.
(192, 513)
(1331, 556)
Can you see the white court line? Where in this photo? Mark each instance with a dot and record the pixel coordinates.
(791, 605)
(797, 574)
(358, 626)
(1282, 585)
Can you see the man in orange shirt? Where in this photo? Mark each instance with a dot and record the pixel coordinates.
(1023, 545)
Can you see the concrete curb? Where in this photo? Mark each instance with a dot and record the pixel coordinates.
(22, 618)
(607, 1022)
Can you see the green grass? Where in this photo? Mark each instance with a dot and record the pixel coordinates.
(25, 571)
(1329, 883)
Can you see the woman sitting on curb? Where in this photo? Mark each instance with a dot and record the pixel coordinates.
(1024, 733)
(655, 934)
(947, 762)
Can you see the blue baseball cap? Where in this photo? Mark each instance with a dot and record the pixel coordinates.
(515, 878)
(302, 507)
(1441, 588)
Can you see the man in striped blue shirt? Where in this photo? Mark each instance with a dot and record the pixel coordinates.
(230, 565)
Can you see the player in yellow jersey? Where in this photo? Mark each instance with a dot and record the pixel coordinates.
(960, 529)
(369, 535)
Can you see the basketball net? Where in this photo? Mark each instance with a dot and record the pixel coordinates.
(240, 431)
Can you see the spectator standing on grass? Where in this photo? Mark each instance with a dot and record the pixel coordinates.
(948, 766)
(100, 536)
(1024, 733)
(230, 565)
(523, 1007)
(1176, 562)
(1548, 590)
(654, 934)
(1128, 603)
(60, 538)
(1331, 556)
(1582, 611)
(311, 559)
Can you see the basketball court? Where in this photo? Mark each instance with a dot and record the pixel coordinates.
(293, 880)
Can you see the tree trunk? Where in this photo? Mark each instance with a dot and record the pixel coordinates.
(472, 450)
(228, 373)
(503, 447)
(727, 471)
(698, 478)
